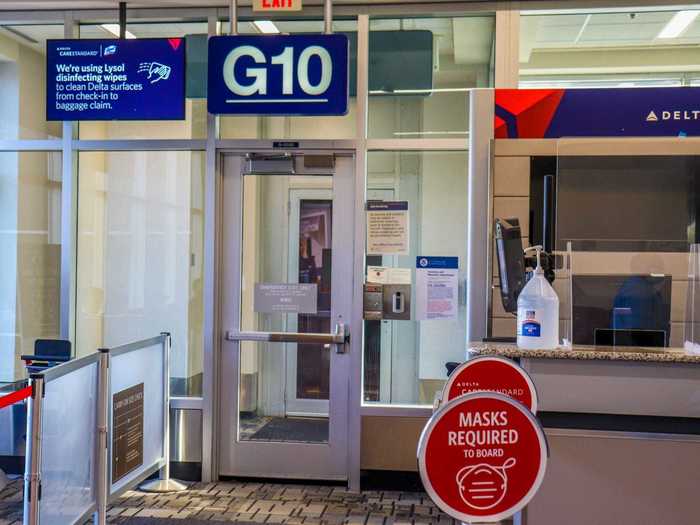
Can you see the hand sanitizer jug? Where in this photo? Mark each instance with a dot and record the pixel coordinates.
(538, 311)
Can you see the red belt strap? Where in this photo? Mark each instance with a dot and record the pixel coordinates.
(14, 397)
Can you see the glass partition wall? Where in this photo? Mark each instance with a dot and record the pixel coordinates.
(123, 252)
(404, 359)
(140, 255)
(30, 255)
(109, 233)
(629, 210)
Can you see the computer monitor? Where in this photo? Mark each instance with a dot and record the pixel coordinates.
(621, 310)
(511, 262)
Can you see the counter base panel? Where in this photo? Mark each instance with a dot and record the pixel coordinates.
(611, 478)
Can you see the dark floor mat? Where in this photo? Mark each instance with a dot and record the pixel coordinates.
(304, 429)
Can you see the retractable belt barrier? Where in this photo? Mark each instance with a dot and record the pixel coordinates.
(482, 455)
(15, 397)
(96, 427)
(6, 401)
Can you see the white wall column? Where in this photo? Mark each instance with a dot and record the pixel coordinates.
(69, 216)
(507, 44)
(481, 104)
(355, 397)
(210, 391)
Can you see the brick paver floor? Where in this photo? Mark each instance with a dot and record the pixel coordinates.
(275, 503)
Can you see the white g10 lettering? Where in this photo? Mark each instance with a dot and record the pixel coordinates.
(258, 75)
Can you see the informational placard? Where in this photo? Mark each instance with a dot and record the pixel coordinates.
(127, 431)
(140, 79)
(278, 75)
(491, 374)
(387, 275)
(387, 228)
(437, 288)
(482, 457)
(277, 5)
(291, 298)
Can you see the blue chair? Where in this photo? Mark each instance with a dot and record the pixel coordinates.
(47, 353)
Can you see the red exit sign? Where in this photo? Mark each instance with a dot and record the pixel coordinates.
(276, 5)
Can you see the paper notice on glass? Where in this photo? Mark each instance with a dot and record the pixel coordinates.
(386, 275)
(387, 228)
(377, 274)
(399, 276)
(437, 288)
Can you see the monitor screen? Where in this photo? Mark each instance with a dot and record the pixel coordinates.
(621, 308)
(140, 79)
(511, 262)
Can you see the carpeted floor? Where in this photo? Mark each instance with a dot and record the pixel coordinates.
(247, 502)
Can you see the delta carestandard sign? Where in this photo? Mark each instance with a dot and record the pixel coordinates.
(278, 75)
(482, 457)
(141, 79)
(491, 374)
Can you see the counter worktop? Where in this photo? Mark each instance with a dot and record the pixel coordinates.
(628, 353)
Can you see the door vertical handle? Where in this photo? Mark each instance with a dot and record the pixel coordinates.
(341, 337)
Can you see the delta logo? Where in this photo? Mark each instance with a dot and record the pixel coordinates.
(677, 115)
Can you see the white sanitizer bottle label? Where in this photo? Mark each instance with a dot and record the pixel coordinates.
(530, 322)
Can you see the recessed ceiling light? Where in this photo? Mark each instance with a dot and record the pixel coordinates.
(114, 29)
(678, 24)
(266, 27)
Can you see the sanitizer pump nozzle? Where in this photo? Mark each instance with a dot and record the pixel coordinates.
(538, 310)
(538, 253)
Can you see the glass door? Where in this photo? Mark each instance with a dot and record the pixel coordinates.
(310, 261)
(287, 285)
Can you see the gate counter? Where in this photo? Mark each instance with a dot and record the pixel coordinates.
(623, 426)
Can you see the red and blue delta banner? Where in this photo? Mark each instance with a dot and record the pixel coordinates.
(609, 112)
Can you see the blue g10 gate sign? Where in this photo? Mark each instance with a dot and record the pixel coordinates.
(140, 79)
(278, 75)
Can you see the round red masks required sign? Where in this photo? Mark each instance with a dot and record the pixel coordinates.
(491, 374)
(482, 457)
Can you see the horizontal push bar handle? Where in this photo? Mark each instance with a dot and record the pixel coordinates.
(338, 337)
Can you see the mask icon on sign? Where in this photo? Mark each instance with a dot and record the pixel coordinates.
(484, 486)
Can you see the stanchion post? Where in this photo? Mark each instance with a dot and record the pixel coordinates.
(164, 483)
(167, 347)
(101, 457)
(32, 467)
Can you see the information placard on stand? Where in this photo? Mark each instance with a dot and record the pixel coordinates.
(482, 457)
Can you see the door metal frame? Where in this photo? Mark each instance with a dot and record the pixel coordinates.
(341, 436)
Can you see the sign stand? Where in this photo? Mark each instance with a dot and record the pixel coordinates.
(482, 458)
(491, 374)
